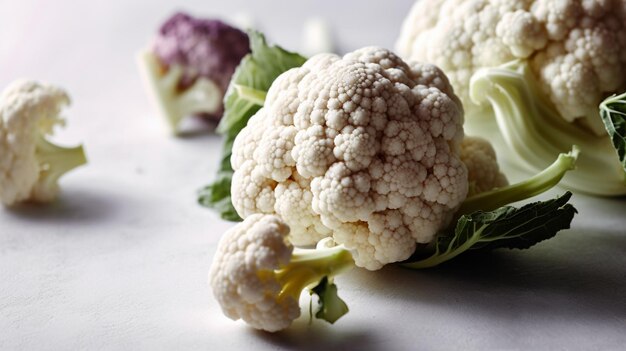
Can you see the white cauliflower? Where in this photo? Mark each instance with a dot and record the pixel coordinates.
(257, 276)
(30, 165)
(483, 171)
(364, 148)
(574, 48)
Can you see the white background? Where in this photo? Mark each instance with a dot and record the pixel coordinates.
(120, 261)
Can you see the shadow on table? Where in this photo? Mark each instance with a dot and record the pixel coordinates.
(579, 276)
(196, 127)
(72, 205)
(319, 336)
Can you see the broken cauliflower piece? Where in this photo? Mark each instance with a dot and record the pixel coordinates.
(30, 165)
(257, 275)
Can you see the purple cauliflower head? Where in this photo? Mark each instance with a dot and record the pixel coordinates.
(206, 48)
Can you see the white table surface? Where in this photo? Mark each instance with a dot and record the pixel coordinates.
(120, 261)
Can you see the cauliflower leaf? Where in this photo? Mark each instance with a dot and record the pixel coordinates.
(256, 72)
(505, 227)
(331, 306)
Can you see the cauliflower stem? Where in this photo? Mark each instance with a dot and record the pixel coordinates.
(55, 160)
(309, 266)
(255, 96)
(541, 182)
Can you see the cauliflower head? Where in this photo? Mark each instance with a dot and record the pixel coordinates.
(30, 166)
(257, 276)
(574, 48)
(364, 148)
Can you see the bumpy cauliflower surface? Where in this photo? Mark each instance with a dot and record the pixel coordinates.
(30, 166)
(576, 49)
(363, 148)
(483, 171)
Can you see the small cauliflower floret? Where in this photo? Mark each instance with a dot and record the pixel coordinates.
(30, 165)
(257, 275)
(363, 147)
(190, 64)
(483, 171)
(575, 48)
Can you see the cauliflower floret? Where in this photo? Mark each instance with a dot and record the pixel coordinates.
(575, 48)
(364, 148)
(189, 65)
(256, 275)
(30, 166)
(483, 171)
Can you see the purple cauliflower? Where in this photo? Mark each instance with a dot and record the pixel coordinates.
(190, 64)
(203, 47)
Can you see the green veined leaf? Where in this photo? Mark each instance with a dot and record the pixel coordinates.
(506, 227)
(257, 71)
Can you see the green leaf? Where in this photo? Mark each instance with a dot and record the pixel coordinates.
(254, 76)
(257, 71)
(613, 113)
(217, 196)
(332, 307)
(506, 227)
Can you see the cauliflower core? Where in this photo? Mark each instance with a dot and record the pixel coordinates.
(575, 48)
(364, 148)
(30, 166)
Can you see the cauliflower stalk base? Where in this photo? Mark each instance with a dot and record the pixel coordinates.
(54, 162)
(531, 129)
